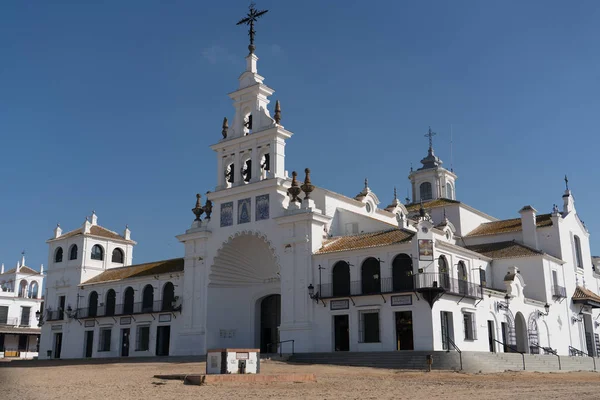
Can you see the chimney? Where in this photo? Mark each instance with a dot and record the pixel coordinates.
(94, 218)
(127, 233)
(529, 227)
(57, 231)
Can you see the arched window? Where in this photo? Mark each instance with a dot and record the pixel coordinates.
(425, 190)
(168, 297)
(117, 256)
(33, 290)
(340, 278)
(58, 255)
(93, 304)
(449, 191)
(444, 272)
(128, 301)
(370, 276)
(23, 288)
(402, 273)
(482, 277)
(147, 298)
(111, 300)
(73, 252)
(578, 255)
(463, 279)
(97, 252)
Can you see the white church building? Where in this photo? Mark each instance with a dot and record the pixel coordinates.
(272, 258)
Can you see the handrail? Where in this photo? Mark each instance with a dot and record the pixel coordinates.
(281, 347)
(456, 348)
(577, 351)
(549, 350)
(513, 349)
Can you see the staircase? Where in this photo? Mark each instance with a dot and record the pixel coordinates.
(473, 362)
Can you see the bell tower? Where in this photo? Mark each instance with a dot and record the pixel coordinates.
(253, 147)
(432, 181)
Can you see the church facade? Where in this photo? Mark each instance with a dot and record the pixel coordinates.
(272, 258)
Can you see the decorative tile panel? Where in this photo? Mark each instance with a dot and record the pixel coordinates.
(227, 214)
(244, 210)
(262, 207)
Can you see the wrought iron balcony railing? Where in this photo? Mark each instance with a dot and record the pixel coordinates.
(9, 322)
(124, 309)
(559, 292)
(401, 285)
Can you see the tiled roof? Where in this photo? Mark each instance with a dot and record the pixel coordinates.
(13, 330)
(95, 230)
(431, 204)
(365, 240)
(509, 249)
(135, 271)
(25, 270)
(508, 225)
(583, 294)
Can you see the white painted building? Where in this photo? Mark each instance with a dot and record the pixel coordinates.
(20, 304)
(329, 272)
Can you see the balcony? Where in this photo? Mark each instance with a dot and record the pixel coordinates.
(56, 315)
(559, 292)
(10, 322)
(410, 284)
(125, 309)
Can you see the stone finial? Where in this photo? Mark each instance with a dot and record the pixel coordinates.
(2, 269)
(208, 206)
(422, 210)
(41, 269)
(57, 231)
(277, 116)
(225, 128)
(307, 187)
(198, 210)
(395, 194)
(23, 258)
(127, 233)
(294, 190)
(94, 218)
(566, 183)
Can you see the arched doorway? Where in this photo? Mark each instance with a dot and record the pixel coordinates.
(521, 333)
(402, 271)
(270, 318)
(340, 277)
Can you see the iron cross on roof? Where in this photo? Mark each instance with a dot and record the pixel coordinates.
(430, 134)
(249, 20)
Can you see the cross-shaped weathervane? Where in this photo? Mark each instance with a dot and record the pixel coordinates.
(430, 134)
(249, 20)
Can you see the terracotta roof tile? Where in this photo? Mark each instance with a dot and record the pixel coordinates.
(585, 294)
(135, 271)
(365, 240)
(509, 249)
(25, 270)
(431, 204)
(508, 225)
(95, 230)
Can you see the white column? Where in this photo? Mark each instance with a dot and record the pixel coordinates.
(255, 165)
(220, 172)
(237, 171)
(277, 158)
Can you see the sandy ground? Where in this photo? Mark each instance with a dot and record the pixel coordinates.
(135, 381)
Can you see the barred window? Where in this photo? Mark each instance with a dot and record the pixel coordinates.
(104, 344)
(142, 338)
(469, 326)
(369, 327)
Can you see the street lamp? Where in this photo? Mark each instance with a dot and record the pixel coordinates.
(547, 308)
(504, 306)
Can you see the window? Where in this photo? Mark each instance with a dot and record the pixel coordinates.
(25, 312)
(444, 272)
(143, 338)
(463, 279)
(117, 256)
(340, 278)
(369, 327)
(469, 326)
(3, 315)
(73, 252)
(147, 298)
(449, 191)
(104, 344)
(370, 275)
(128, 301)
(425, 190)
(33, 290)
(97, 252)
(578, 256)
(402, 273)
(111, 298)
(93, 305)
(168, 297)
(61, 306)
(482, 278)
(58, 255)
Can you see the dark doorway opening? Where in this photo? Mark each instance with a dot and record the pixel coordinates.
(125, 342)
(491, 336)
(404, 331)
(270, 318)
(23, 339)
(57, 344)
(341, 329)
(505, 337)
(163, 337)
(89, 343)
(447, 329)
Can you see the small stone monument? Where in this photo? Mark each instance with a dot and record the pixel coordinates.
(233, 361)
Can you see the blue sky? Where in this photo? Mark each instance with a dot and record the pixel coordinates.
(111, 106)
